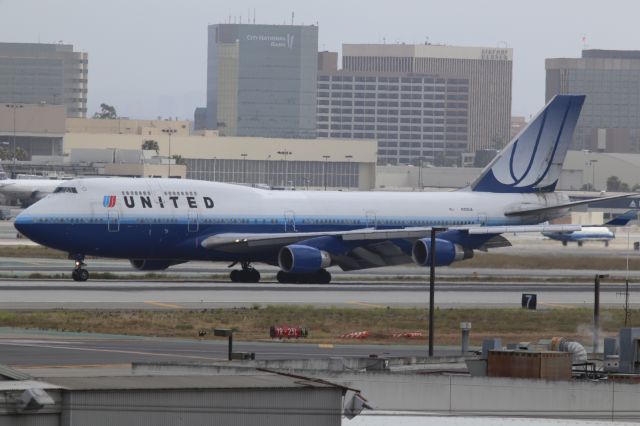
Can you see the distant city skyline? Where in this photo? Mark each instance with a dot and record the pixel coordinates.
(148, 59)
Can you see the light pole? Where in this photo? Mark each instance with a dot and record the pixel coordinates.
(285, 153)
(593, 162)
(14, 107)
(420, 163)
(349, 157)
(169, 132)
(244, 167)
(266, 176)
(324, 169)
(596, 311)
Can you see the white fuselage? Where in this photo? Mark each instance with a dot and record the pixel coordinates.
(169, 199)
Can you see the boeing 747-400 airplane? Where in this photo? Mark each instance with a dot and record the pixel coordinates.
(157, 223)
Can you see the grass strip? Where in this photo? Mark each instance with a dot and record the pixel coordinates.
(326, 325)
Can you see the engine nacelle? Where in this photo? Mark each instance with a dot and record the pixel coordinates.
(446, 252)
(300, 259)
(152, 264)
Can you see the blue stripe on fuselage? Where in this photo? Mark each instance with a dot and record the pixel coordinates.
(145, 237)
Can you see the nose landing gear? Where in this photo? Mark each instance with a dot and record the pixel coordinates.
(79, 273)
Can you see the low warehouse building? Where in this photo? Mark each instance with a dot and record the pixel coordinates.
(257, 399)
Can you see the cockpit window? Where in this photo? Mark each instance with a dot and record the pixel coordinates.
(65, 189)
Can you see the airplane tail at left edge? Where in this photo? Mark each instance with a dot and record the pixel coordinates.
(532, 161)
(623, 219)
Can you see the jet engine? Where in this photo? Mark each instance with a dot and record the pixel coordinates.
(446, 252)
(301, 259)
(153, 264)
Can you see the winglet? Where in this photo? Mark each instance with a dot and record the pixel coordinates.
(532, 161)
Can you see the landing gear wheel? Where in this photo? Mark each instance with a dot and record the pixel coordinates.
(606, 243)
(283, 277)
(579, 243)
(80, 274)
(564, 243)
(245, 275)
(323, 276)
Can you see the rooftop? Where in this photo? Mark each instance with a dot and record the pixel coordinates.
(258, 381)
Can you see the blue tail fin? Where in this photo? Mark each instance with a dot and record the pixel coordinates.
(623, 219)
(533, 159)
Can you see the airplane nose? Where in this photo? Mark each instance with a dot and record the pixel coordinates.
(23, 223)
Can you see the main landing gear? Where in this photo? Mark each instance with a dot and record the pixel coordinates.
(79, 273)
(245, 275)
(320, 277)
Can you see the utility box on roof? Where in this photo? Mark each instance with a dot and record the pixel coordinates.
(531, 365)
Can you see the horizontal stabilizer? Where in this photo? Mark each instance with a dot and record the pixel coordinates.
(523, 210)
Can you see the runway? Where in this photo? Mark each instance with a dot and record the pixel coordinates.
(51, 294)
(82, 350)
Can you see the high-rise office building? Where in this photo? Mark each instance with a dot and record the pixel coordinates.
(34, 73)
(610, 118)
(421, 102)
(261, 80)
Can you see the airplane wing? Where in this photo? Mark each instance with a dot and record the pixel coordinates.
(241, 242)
(523, 210)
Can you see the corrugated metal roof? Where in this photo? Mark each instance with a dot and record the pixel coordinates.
(8, 373)
(12, 385)
(263, 381)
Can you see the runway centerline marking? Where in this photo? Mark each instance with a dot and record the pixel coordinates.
(325, 346)
(370, 305)
(163, 305)
(116, 351)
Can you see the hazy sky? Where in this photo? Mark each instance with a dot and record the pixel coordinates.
(148, 58)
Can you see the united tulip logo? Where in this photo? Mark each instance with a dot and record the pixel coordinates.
(109, 201)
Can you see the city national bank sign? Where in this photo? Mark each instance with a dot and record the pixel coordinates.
(273, 40)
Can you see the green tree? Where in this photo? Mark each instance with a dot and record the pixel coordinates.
(636, 187)
(6, 154)
(614, 184)
(21, 154)
(586, 187)
(178, 159)
(107, 112)
(151, 145)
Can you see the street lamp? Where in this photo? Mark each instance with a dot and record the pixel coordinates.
(592, 163)
(169, 132)
(420, 164)
(326, 157)
(14, 107)
(244, 167)
(349, 158)
(285, 153)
